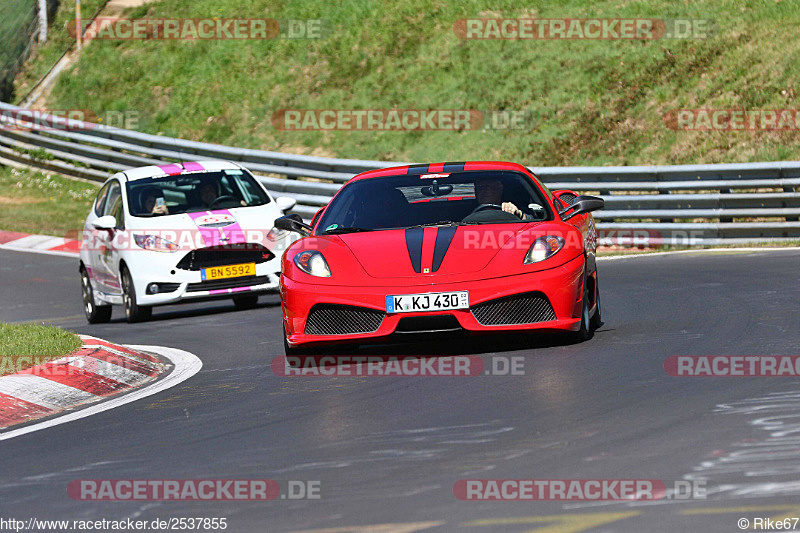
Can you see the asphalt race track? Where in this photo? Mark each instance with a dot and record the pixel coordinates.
(388, 450)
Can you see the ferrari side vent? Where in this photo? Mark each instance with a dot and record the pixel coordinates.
(330, 319)
(526, 308)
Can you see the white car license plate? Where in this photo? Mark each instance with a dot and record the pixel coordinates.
(434, 301)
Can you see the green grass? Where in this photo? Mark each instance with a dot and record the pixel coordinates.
(46, 204)
(25, 345)
(594, 102)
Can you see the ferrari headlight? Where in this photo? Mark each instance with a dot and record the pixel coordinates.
(543, 248)
(312, 262)
(155, 243)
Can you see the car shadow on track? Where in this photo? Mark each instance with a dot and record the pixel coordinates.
(196, 309)
(464, 344)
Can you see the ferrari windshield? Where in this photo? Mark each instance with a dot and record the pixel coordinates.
(201, 191)
(472, 197)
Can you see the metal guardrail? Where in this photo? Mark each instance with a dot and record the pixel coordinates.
(645, 205)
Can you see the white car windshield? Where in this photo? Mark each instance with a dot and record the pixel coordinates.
(200, 191)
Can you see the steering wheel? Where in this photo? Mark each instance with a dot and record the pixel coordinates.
(220, 198)
(484, 207)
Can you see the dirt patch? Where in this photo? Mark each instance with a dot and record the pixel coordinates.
(116, 7)
(7, 200)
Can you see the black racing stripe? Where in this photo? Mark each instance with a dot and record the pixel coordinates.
(418, 169)
(454, 167)
(414, 245)
(443, 239)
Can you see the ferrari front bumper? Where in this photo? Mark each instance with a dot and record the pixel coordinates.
(561, 286)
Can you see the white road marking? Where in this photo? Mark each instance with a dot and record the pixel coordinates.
(7, 246)
(186, 365)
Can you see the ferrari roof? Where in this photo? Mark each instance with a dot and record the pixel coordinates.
(436, 168)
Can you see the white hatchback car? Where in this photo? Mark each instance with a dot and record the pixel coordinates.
(180, 232)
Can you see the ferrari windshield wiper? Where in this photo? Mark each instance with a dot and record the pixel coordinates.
(336, 231)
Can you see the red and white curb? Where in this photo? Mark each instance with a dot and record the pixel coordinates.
(43, 244)
(96, 372)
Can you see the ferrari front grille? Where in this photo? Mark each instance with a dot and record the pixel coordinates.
(330, 319)
(227, 254)
(526, 308)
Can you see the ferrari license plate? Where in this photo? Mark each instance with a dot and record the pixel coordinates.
(435, 301)
(228, 271)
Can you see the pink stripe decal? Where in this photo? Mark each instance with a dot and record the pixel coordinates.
(192, 166)
(232, 234)
(227, 291)
(171, 169)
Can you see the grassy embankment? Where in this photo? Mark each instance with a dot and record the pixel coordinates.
(26, 345)
(594, 102)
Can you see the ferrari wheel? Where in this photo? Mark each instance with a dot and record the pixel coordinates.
(133, 311)
(95, 314)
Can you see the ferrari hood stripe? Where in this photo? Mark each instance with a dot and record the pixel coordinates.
(443, 239)
(414, 239)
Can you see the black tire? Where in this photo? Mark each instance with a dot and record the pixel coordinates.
(597, 320)
(133, 311)
(95, 314)
(245, 301)
(585, 332)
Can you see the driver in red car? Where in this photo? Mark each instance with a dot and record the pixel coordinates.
(490, 191)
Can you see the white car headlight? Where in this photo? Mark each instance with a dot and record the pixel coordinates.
(312, 262)
(543, 248)
(155, 243)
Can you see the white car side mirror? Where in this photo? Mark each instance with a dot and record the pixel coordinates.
(285, 203)
(106, 222)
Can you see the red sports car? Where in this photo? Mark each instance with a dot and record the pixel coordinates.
(476, 246)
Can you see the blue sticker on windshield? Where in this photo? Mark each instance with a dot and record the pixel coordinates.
(332, 226)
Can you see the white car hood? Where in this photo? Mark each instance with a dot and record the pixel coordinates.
(211, 228)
